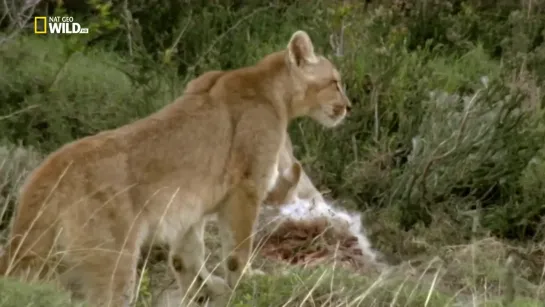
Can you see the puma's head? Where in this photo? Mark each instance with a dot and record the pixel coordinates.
(317, 82)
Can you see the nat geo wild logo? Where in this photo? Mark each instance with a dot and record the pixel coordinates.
(57, 25)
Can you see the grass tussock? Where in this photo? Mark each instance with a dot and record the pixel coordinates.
(485, 273)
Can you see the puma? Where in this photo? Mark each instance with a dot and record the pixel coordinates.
(86, 211)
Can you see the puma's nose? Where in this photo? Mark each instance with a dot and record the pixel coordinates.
(348, 108)
(338, 110)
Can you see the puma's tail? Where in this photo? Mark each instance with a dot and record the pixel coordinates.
(25, 261)
(28, 249)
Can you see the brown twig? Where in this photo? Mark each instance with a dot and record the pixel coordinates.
(18, 18)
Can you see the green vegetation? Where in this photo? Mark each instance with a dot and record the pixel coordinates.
(443, 153)
(18, 294)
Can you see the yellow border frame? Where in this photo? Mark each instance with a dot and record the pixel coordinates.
(36, 25)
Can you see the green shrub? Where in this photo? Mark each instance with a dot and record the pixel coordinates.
(20, 294)
(54, 95)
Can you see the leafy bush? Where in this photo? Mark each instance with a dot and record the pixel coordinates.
(18, 294)
(51, 95)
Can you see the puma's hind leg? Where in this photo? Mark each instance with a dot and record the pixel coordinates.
(101, 253)
(104, 270)
(107, 281)
(187, 261)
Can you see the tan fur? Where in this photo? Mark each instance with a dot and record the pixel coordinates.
(294, 182)
(88, 209)
(305, 189)
(283, 188)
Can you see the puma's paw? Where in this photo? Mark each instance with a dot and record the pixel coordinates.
(213, 288)
(256, 272)
(217, 286)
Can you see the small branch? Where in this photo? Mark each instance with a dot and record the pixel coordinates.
(127, 17)
(337, 41)
(509, 280)
(34, 106)
(177, 40)
(374, 99)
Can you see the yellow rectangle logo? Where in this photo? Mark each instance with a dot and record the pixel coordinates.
(40, 25)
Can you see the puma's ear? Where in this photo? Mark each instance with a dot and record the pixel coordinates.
(285, 188)
(300, 49)
(293, 174)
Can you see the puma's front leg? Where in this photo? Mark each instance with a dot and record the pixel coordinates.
(259, 135)
(236, 221)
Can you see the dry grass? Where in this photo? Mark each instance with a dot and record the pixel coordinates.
(15, 163)
(487, 272)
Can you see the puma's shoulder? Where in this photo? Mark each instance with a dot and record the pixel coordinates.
(291, 181)
(203, 83)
